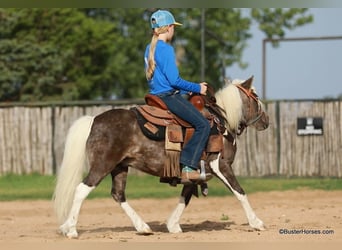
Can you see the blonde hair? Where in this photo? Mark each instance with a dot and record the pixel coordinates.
(151, 63)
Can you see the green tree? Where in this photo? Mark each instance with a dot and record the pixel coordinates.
(226, 33)
(273, 22)
(80, 54)
(133, 29)
(54, 54)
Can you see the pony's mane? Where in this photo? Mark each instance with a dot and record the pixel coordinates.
(228, 98)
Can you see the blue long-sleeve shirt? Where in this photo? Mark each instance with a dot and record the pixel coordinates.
(166, 75)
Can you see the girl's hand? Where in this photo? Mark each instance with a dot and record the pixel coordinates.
(203, 88)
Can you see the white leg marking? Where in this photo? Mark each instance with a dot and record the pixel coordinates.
(138, 223)
(69, 226)
(253, 220)
(173, 221)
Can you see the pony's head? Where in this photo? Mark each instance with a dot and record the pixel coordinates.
(242, 106)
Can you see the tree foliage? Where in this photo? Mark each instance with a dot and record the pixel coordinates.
(83, 54)
(54, 54)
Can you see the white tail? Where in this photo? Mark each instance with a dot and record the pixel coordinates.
(73, 166)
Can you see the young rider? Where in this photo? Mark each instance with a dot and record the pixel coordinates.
(164, 81)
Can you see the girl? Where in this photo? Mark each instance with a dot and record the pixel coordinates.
(164, 81)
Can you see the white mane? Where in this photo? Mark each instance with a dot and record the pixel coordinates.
(229, 99)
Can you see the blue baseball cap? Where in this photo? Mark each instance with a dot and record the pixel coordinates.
(162, 18)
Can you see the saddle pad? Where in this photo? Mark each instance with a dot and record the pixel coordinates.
(145, 127)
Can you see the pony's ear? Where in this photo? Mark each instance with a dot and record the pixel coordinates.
(248, 83)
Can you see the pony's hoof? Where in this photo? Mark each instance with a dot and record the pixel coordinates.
(72, 235)
(145, 231)
(204, 189)
(262, 227)
(68, 232)
(174, 228)
(258, 225)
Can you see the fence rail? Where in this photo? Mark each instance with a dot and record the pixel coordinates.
(32, 138)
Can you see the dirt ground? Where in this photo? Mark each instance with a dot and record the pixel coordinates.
(207, 219)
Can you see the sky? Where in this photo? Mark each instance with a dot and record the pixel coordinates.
(298, 69)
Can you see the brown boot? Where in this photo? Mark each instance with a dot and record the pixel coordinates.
(191, 176)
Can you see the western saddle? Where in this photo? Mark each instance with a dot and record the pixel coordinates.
(157, 114)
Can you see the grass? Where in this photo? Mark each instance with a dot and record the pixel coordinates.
(32, 187)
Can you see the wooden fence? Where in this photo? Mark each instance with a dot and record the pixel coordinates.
(32, 139)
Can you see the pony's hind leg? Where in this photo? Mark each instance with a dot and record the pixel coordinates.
(68, 228)
(93, 179)
(96, 174)
(119, 177)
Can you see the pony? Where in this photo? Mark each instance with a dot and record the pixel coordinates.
(112, 141)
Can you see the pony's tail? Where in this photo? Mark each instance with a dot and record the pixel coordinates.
(73, 166)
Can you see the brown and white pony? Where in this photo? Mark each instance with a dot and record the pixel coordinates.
(111, 142)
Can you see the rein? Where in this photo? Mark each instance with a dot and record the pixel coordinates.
(251, 98)
(217, 111)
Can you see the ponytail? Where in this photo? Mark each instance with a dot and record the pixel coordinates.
(151, 63)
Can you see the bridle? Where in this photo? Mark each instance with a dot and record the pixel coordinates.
(252, 97)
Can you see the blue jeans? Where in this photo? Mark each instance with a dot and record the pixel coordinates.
(181, 107)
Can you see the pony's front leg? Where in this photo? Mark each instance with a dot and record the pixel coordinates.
(68, 228)
(225, 173)
(172, 223)
(253, 220)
